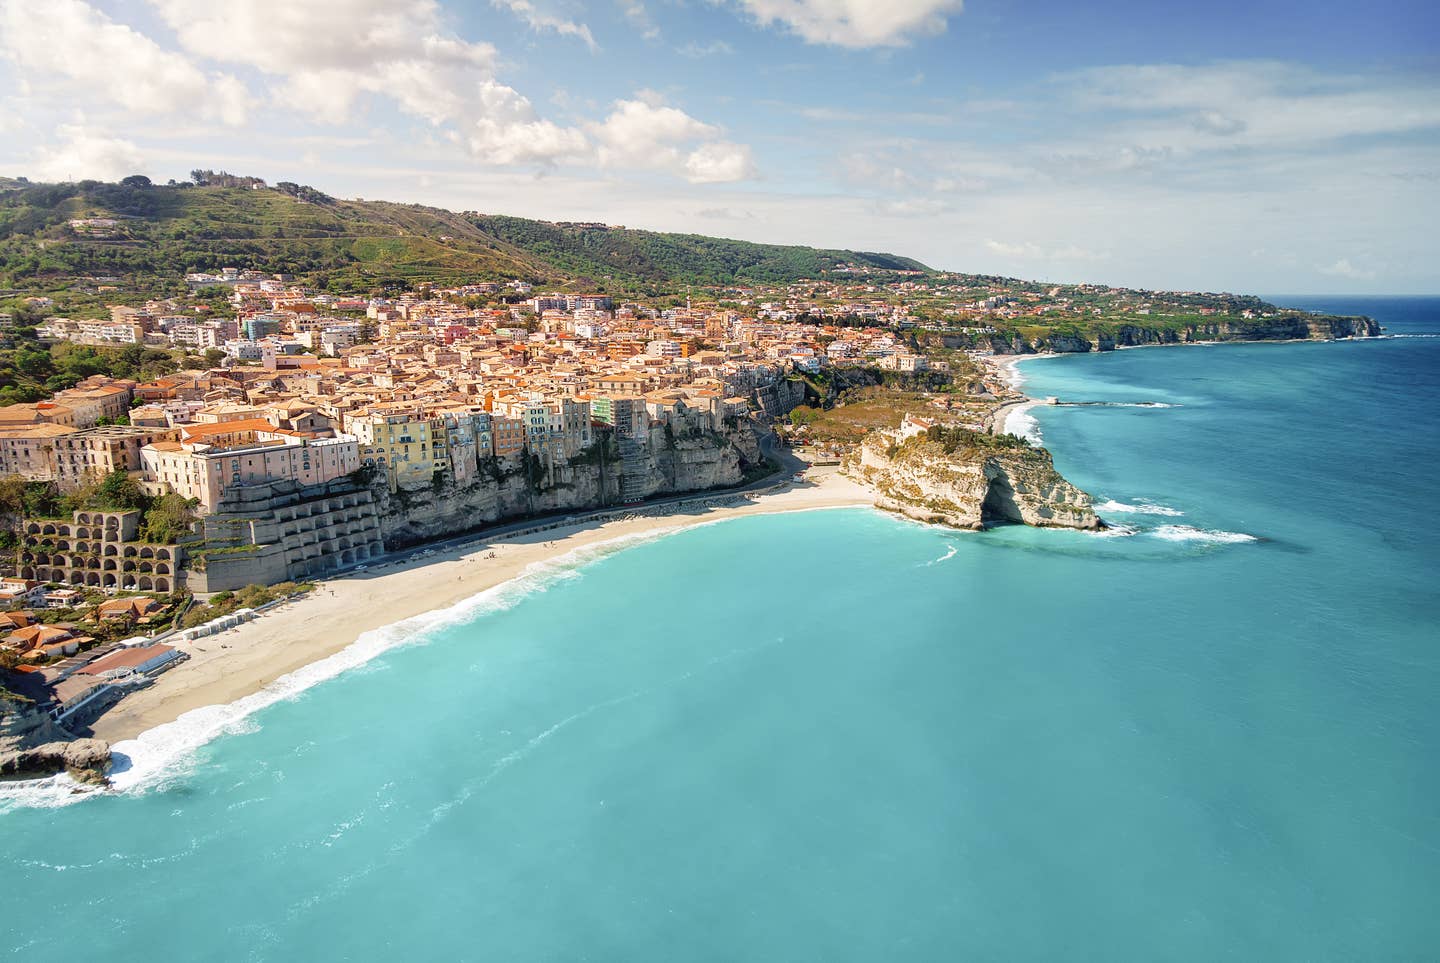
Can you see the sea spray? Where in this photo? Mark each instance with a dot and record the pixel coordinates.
(1139, 508)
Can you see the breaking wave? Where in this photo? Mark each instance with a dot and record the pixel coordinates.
(1140, 508)
(160, 755)
(1021, 422)
(1116, 404)
(1188, 533)
(949, 554)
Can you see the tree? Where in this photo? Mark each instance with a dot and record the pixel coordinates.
(136, 180)
(168, 519)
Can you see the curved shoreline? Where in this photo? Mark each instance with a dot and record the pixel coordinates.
(242, 661)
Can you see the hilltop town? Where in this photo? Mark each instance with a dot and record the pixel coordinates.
(169, 465)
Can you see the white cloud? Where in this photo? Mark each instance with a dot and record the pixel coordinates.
(1249, 104)
(508, 132)
(540, 20)
(639, 133)
(639, 16)
(912, 207)
(82, 154)
(1344, 269)
(1030, 251)
(324, 55)
(856, 23)
(646, 133)
(95, 57)
(712, 49)
(719, 162)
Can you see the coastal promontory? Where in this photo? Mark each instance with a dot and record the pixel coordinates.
(955, 476)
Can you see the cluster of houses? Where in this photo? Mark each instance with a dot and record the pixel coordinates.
(64, 668)
(441, 388)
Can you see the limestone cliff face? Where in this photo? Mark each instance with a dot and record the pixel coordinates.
(669, 461)
(967, 488)
(1283, 327)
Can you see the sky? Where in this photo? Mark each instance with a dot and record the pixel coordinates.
(1258, 146)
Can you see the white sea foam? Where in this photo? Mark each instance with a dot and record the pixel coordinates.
(1117, 404)
(1021, 422)
(1113, 531)
(949, 554)
(161, 754)
(1188, 533)
(1140, 508)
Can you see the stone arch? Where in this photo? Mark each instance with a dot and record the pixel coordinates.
(129, 551)
(33, 528)
(145, 583)
(162, 553)
(92, 579)
(146, 567)
(161, 568)
(108, 580)
(109, 565)
(48, 530)
(162, 585)
(346, 557)
(146, 551)
(28, 572)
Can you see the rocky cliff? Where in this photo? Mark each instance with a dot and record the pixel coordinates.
(1284, 327)
(32, 746)
(968, 480)
(685, 456)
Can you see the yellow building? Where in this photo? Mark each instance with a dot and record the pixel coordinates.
(407, 444)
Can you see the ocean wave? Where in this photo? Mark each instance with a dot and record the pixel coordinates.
(1020, 422)
(167, 752)
(1113, 531)
(949, 554)
(1188, 533)
(1116, 404)
(1141, 508)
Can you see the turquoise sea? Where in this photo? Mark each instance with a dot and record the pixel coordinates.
(1211, 734)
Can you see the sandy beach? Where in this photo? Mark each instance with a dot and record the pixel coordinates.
(1007, 368)
(231, 665)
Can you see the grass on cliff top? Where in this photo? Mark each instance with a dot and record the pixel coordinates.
(858, 413)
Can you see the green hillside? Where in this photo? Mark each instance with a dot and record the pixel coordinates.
(689, 258)
(163, 232)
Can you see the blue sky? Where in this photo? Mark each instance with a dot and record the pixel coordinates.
(1260, 146)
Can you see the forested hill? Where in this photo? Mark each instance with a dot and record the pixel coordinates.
(54, 236)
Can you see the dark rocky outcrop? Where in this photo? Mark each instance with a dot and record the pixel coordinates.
(32, 747)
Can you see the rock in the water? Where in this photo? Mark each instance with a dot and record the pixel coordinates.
(964, 479)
